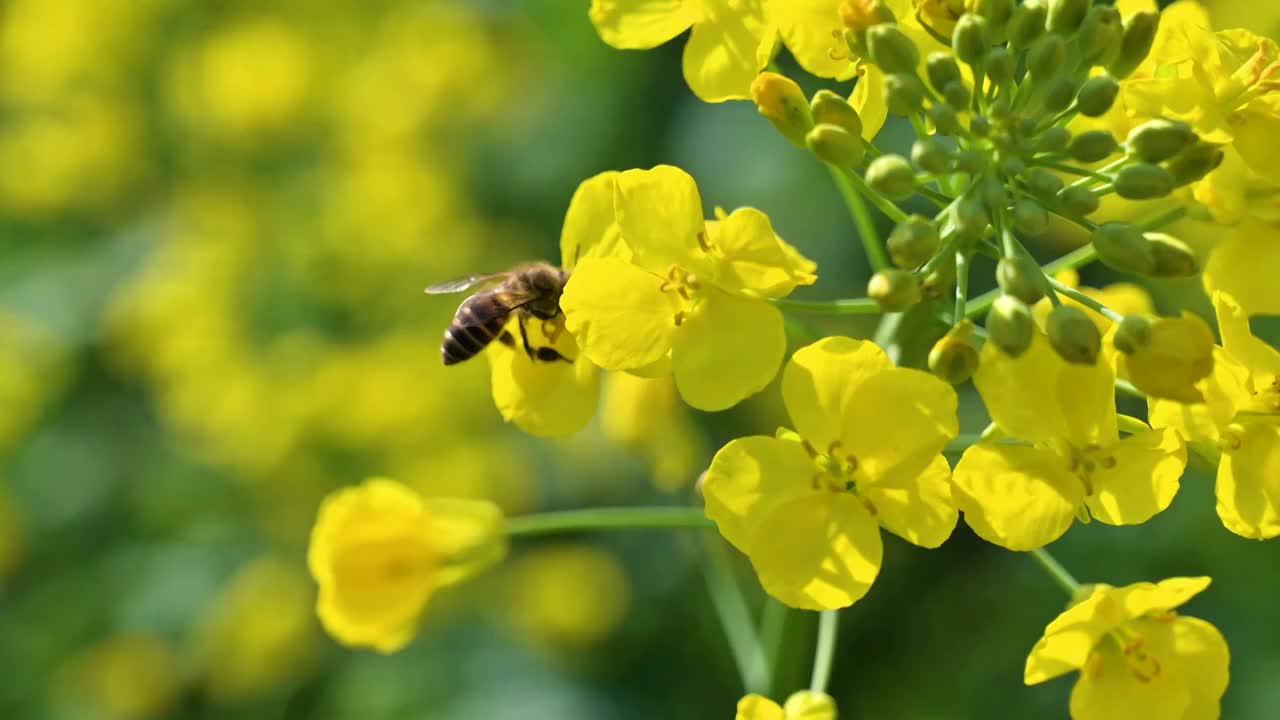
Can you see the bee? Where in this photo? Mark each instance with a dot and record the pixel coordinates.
(529, 291)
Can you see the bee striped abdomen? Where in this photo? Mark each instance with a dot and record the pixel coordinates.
(478, 321)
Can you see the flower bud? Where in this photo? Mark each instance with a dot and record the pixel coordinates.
(1099, 35)
(1133, 332)
(835, 145)
(944, 119)
(1030, 217)
(954, 358)
(830, 108)
(1053, 140)
(970, 161)
(1092, 146)
(1042, 183)
(993, 192)
(1172, 257)
(1020, 277)
(894, 290)
(1011, 165)
(956, 94)
(1065, 16)
(1158, 140)
(1078, 201)
(1097, 95)
(1000, 65)
(861, 15)
(781, 100)
(1195, 162)
(1135, 43)
(913, 242)
(892, 176)
(1046, 56)
(1026, 24)
(939, 281)
(1059, 94)
(891, 49)
(1143, 181)
(1073, 335)
(1168, 356)
(942, 70)
(971, 39)
(930, 156)
(969, 216)
(1121, 246)
(1010, 325)
(996, 12)
(903, 93)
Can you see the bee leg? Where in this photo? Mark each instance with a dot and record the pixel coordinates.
(546, 354)
(524, 337)
(506, 339)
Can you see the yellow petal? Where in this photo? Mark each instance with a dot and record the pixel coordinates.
(618, 314)
(1177, 355)
(1248, 486)
(1226, 391)
(1038, 396)
(641, 24)
(915, 503)
(747, 478)
(727, 349)
(1138, 477)
(467, 535)
(636, 408)
(809, 705)
(756, 707)
(1255, 130)
(819, 381)
(544, 398)
(812, 31)
(1144, 598)
(728, 49)
(1017, 497)
(868, 100)
(1202, 659)
(821, 551)
(1239, 267)
(1069, 639)
(753, 260)
(590, 224)
(660, 216)
(1111, 689)
(1239, 341)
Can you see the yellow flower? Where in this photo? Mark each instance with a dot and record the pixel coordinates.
(694, 292)
(732, 40)
(566, 596)
(379, 550)
(130, 676)
(644, 416)
(1243, 266)
(804, 705)
(1137, 658)
(1175, 355)
(1240, 419)
(1070, 461)
(807, 507)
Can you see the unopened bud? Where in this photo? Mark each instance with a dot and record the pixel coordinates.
(903, 93)
(829, 108)
(1078, 201)
(1135, 43)
(913, 242)
(1097, 95)
(996, 12)
(1011, 165)
(1092, 146)
(1042, 183)
(1195, 162)
(939, 280)
(1133, 332)
(956, 94)
(930, 156)
(1020, 277)
(1121, 246)
(1046, 56)
(1026, 24)
(1030, 217)
(944, 119)
(891, 49)
(1073, 335)
(833, 144)
(969, 216)
(970, 161)
(1000, 65)
(971, 39)
(892, 176)
(1158, 140)
(861, 15)
(1173, 258)
(894, 290)
(1010, 325)
(994, 194)
(1100, 34)
(1065, 16)
(954, 358)
(781, 100)
(1059, 94)
(942, 70)
(1053, 140)
(1143, 181)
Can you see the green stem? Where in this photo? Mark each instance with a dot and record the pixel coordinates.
(962, 285)
(1074, 259)
(861, 216)
(735, 618)
(773, 628)
(1085, 300)
(608, 519)
(1073, 169)
(825, 651)
(1159, 220)
(849, 306)
(1101, 172)
(1056, 571)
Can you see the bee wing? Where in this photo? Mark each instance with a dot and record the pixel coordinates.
(468, 282)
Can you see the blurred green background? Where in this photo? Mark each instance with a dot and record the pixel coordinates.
(216, 219)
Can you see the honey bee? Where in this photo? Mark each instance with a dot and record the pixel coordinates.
(529, 291)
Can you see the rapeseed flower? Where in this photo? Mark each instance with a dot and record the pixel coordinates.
(1136, 656)
(804, 705)
(807, 507)
(691, 298)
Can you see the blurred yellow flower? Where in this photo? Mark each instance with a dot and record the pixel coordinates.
(129, 676)
(566, 597)
(690, 289)
(807, 510)
(1174, 355)
(731, 41)
(1069, 461)
(259, 633)
(804, 705)
(1136, 656)
(1241, 266)
(34, 367)
(643, 415)
(379, 551)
